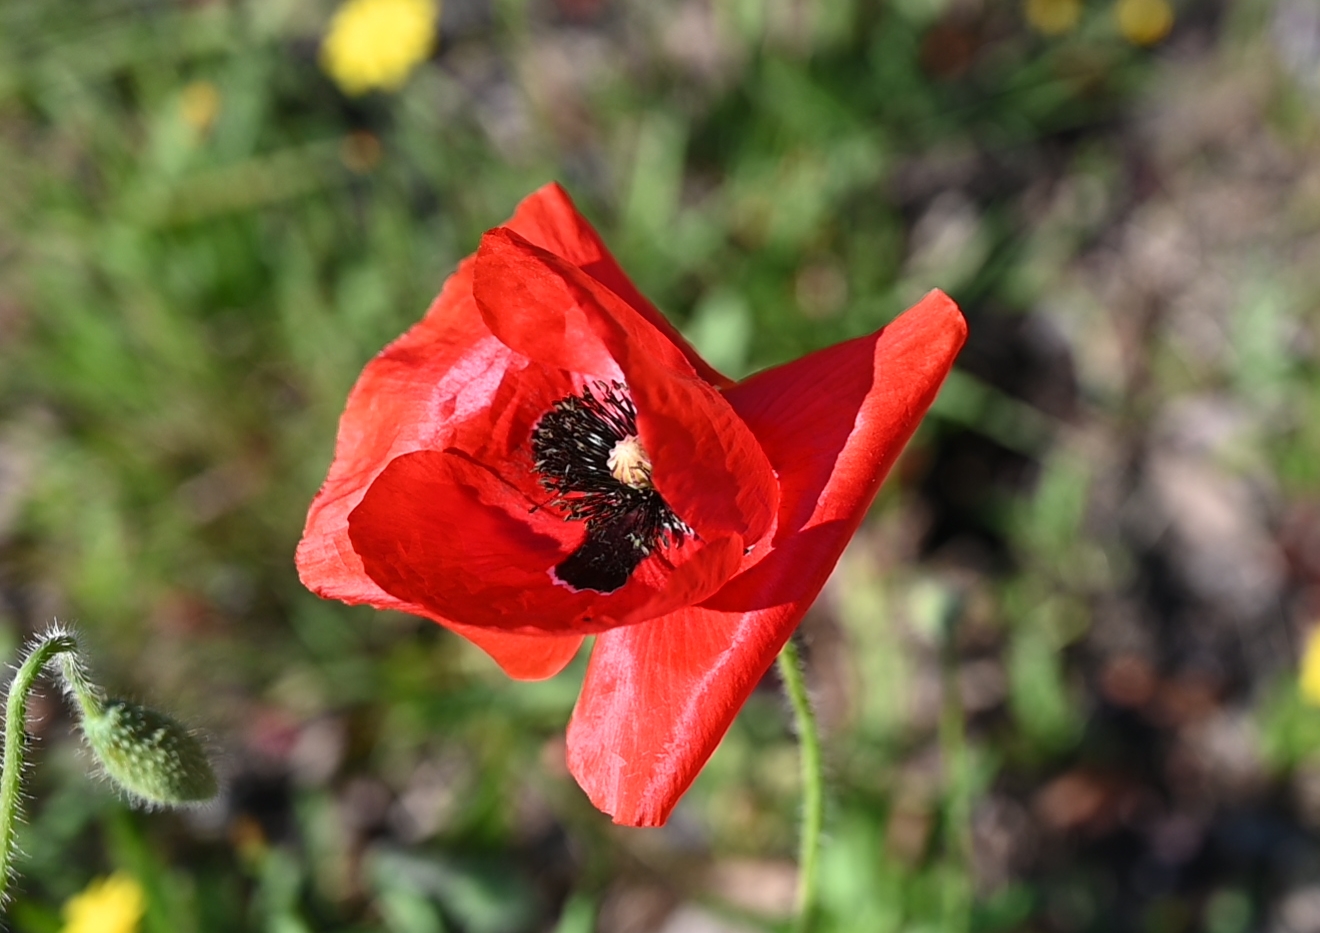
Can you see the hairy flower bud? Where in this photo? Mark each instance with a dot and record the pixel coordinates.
(148, 754)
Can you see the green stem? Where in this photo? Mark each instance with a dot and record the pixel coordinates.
(957, 899)
(89, 697)
(813, 785)
(54, 643)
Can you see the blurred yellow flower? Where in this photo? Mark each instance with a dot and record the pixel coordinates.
(1052, 17)
(199, 103)
(108, 905)
(375, 44)
(1144, 22)
(1309, 680)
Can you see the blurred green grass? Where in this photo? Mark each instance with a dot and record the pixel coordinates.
(201, 243)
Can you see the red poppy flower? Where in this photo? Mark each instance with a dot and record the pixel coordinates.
(544, 457)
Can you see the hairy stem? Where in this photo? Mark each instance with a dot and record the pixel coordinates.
(958, 779)
(813, 785)
(47, 648)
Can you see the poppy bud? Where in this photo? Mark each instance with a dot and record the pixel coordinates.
(148, 754)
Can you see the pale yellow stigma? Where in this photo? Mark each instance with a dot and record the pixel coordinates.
(629, 463)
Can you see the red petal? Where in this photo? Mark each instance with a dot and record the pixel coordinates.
(523, 657)
(659, 696)
(527, 298)
(548, 219)
(440, 531)
(706, 463)
(403, 401)
(414, 395)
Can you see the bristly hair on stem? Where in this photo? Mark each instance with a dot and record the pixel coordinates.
(793, 675)
(149, 756)
(40, 652)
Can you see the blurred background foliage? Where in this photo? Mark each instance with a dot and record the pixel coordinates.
(1057, 667)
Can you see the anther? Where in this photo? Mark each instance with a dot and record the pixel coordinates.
(590, 457)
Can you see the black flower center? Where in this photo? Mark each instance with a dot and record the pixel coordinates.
(590, 458)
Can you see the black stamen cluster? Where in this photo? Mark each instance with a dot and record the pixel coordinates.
(572, 444)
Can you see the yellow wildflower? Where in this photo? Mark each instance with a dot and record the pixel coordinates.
(108, 905)
(199, 103)
(1144, 22)
(375, 44)
(1309, 680)
(1052, 17)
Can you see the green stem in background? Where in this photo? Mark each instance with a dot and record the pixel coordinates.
(46, 649)
(957, 895)
(813, 785)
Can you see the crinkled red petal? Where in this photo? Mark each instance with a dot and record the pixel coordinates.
(389, 412)
(548, 219)
(439, 530)
(659, 696)
(706, 464)
(417, 393)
